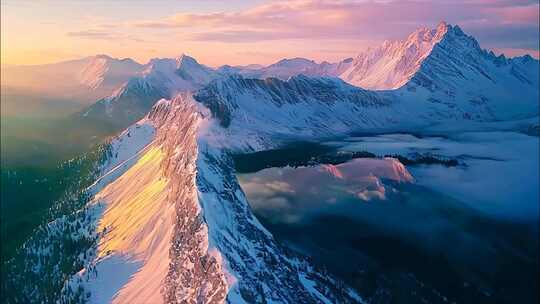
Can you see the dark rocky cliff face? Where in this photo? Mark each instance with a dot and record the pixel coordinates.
(221, 96)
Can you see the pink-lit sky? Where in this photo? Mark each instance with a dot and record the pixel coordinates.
(242, 32)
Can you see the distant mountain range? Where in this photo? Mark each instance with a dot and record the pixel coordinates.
(84, 79)
(444, 65)
(438, 72)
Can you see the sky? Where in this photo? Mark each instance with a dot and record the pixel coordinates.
(249, 31)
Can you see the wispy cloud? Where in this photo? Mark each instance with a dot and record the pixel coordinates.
(103, 35)
(247, 31)
(320, 29)
(91, 34)
(246, 36)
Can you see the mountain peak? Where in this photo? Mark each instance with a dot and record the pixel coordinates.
(296, 61)
(427, 35)
(394, 63)
(111, 60)
(185, 59)
(102, 56)
(442, 26)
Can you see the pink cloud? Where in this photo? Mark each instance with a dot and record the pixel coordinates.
(518, 14)
(323, 19)
(342, 24)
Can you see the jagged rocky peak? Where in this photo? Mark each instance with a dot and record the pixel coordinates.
(457, 60)
(453, 37)
(457, 38)
(393, 64)
(427, 35)
(397, 63)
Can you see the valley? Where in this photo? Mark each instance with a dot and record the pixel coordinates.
(353, 216)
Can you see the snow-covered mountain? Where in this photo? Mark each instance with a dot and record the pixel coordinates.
(217, 250)
(282, 69)
(168, 222)
(443, 56)
(174, 226)
(104, 71)
(187, 201)
(257, 113)
(85, 79)
(442, 66)
(238, 69)
(461, 75)
(286, 68)
(161, 78)
(394, 63)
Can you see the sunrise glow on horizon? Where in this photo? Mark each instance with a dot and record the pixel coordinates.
(246, 32)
